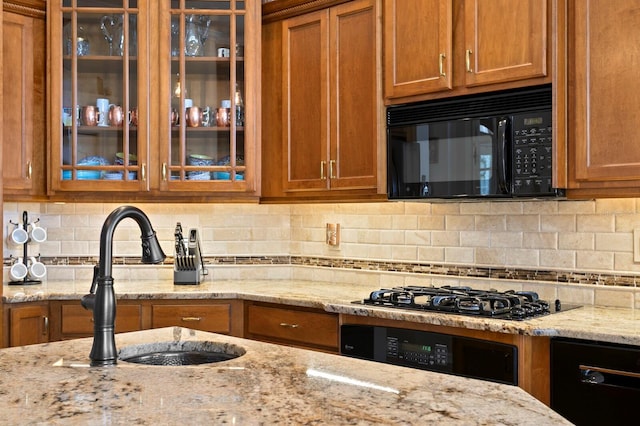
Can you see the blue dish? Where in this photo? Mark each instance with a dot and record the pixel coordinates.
(88, 174)
(94, 160)
(199, 160)
(113, 176)
(226, 176)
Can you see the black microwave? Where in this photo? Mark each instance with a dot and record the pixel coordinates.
(495, 145)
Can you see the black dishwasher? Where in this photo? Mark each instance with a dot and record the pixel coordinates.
(595, 383)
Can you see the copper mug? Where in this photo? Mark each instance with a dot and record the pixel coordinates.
(116, 115)
(194, 116)
(175, 117)
(89, 115)
(223, 117)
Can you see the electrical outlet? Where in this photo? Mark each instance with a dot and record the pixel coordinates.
(636, 245)
(333, 234)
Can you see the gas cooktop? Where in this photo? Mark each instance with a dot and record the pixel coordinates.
(510, 305)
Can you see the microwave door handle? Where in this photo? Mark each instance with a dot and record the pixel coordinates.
(502, 147)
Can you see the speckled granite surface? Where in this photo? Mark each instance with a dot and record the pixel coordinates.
(616, 325)
(51, 384)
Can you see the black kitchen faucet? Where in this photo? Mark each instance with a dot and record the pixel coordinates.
(102, 299)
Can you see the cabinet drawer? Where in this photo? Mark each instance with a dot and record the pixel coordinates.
(212, 318)
(77, 320)
(303, 327)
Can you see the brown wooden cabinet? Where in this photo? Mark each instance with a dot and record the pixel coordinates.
(602, 55)
(213, 316)
(23, 127)
(27, 323)
(152, 65)
(69, 320)
(322, 104)
(294, 326)
(459, 46)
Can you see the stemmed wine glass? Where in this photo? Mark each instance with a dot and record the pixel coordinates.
(111, 26)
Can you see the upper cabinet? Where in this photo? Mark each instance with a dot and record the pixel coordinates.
(322, 104)
(24, 121)
(446, 47)
(603, 55)
(155, 99)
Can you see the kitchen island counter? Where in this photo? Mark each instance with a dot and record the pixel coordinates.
(607, 324)
(52, 384)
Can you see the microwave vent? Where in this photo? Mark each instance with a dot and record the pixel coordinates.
(486, 104)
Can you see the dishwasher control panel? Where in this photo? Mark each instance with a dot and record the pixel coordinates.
(419, 349)
(445, 353)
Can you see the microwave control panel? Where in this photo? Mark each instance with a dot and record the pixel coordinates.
(531, 155)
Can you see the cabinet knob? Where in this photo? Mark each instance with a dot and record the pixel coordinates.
(164, 172)
(441, 59)
(191, 319)
(45, 323)
(322, 165)
(143, 171)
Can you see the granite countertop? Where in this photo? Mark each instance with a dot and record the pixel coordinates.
(52, 384)
(608, 324)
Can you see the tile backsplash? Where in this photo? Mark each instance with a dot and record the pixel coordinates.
(593, 237)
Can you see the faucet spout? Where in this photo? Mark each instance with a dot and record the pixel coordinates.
(103, 303)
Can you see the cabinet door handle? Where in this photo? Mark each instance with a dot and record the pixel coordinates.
(287, 325)
(441, 59)
(322, 165)
(143, 171)
(45, 323)
(29, 169)
(191, 319)
(164, 172)
(468, 60)
(332, 163)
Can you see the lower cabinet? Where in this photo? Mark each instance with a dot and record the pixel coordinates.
(40, 322)
(224, 316)
(293, 326)
(26, 323)
(69, 320)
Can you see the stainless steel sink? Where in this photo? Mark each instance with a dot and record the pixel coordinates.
(180, 353)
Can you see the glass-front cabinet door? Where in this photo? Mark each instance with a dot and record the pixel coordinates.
(204, 97)
(154, 96)
(97, 110)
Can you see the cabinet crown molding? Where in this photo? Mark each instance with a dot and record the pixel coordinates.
(282, 9)
(33, 8)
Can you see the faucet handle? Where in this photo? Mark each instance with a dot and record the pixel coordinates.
(88, 301)
(94, 280)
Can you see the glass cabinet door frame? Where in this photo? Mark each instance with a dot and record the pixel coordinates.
(56, 12)
(173, 69)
